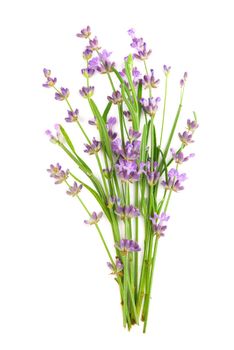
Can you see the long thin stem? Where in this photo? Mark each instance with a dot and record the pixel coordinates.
(164, 111)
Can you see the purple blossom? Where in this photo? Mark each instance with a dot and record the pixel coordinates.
(84, 33)
(50, 82)
(149, 81)
(94, 63)
(74, 190)
(186, 138)
(192, 125)
(127, 212)
(94, 218)
(150, 105)
(94, 147)
(166, 69)
(158, 224)
(105, 65)
(179, 157)
(116, 98)
(143, 53)
(88, 72)
(131, 150)
(112, 200)
(87, 91)
(62, 95)
(174, 181)
(58, 137)
(153, 174)
(109, 125)
(93, 44)
(134, 134)
(72, 116)
(87, 54)
(127, 245)
(127, 114)
(117, 268)
(57, 173)
(93, 121)
(182, 81)
(128, 171)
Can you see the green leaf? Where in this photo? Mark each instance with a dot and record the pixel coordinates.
(139, 96)
(106, 111)
(172, 131)
(67, 139)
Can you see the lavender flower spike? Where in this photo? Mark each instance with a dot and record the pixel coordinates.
(94, 218)
(57, 173)
(50, 81)
(166, 70)
(94, 147)
(117, 268)
(84, 33)
(87, 92)
(127, 212)
(179, 157)
(150, 105)
(158, 224)
(127, 245)
(72, 116)
(58, 138)
(63, 94)
(116, 98)
(186, 138)
(192, 125)
(74, 190)
(174, 181)
(149, 81)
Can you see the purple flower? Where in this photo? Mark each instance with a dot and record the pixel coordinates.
(117, 268)
(186, 138)
(166, 70)
(57, 173)
(116, 98)
(88, 72)
(127, 245)
(128, 171)
(149, 81)
(63, 94)
(174, 181)
(143, 54)
(131, 32)
(182, 81)
(127, 212)
(151, 175)
(84, 33)
(105, 65)
(127, 114)
(50, 81)
(93, 44)
(94, 218)
(109, 125)
(179, 157)
(87, 91)
(94, 63)
(94, 147)
(158, 224)
(74, 190)
(58, 137)
(192, 125)
(87, 54)
(112, 200)
(72, 116)
(150, 105)
(131, 150)
(133, 134)
(93, 121)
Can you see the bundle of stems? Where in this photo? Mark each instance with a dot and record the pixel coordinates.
(136, 180)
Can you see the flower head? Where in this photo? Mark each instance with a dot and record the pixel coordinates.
(93, 44)
(116, 98)
(134, 134)
(87, 54)
(166, 70)
(174, 181)
(117, 268)
(72, 116)
(58, 137)
(94, 147)
(179, 157)
(149, 81)
(74, 190)
(109, 125)
(158, 225)
(84, 33)
(186, 138)
(127, 245)
(62, 94)
(50, 82)
(88, 72)
(94, 218)
(192, 125)
(183, 80)
(127, 115)
(57, 173)
(153, 174)
(150, 105)
(128, 171)
(127, 212)
(87, 91)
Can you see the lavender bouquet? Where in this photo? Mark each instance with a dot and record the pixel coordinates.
(138, 169)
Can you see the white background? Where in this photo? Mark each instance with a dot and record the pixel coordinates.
(55, 291)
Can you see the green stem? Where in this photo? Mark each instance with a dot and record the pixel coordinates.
(164, 111)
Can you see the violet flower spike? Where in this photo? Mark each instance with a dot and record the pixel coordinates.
(50, 81)
(57, 173)
(87, 91)
(62, 95)
(174, 181)
(166, 70)
(186, 138)
(150, 105)
(94, 218)
(192, 125)
(116, 98)
(72, 116)
(127, 212)
(158, 225)
(74, 190)
(58, 137)
(117, 268)
(94, 147)
(127, 245)
(87, 54)
(88, 72)
(149, 81)
(93, 44)
(179, 157)
(84, 33)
